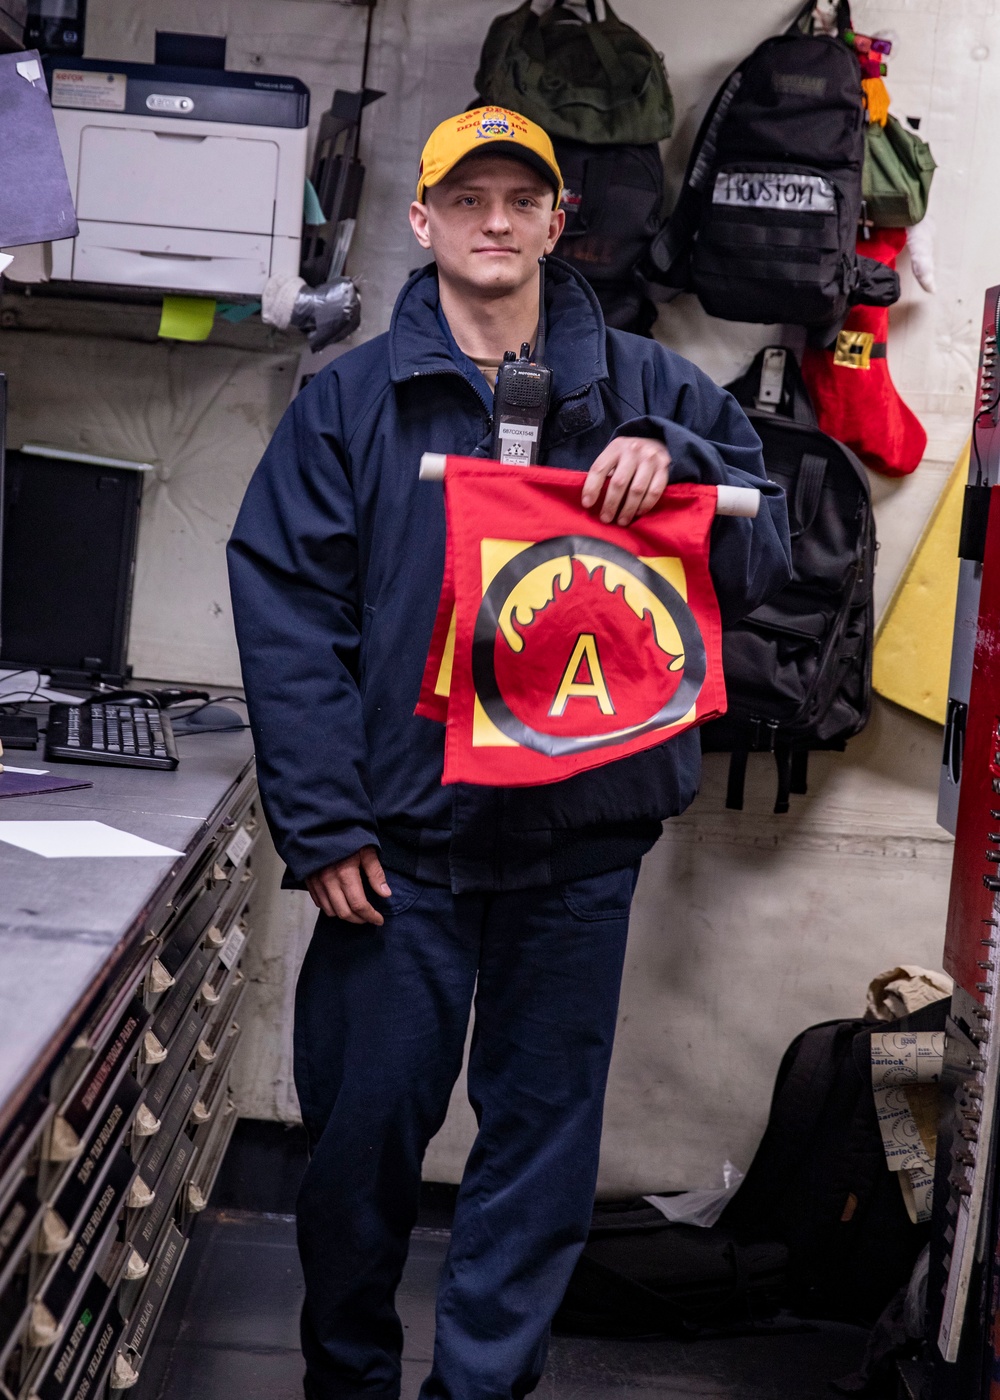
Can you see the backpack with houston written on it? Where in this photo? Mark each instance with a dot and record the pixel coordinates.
(798, 668)
(765, 226)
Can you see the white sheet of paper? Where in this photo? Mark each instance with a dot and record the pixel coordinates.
(9, 768)
(57, 839)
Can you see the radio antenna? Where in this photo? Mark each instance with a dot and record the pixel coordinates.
(540, 337)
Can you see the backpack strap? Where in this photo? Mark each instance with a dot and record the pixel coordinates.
(737, 780)
(803, 21)
(808, 490)
(669, 248)
(591, 9)
(783, 763)
(604, 52)
(597, 172)
(773, 384)
(800, 772)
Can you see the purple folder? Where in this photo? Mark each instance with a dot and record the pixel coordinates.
(30, 784)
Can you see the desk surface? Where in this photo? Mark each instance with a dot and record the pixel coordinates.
(62, 920)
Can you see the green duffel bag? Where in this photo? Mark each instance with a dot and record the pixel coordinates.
(599, 82)
(897, 174)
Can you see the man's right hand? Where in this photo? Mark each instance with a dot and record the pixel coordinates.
(338, 890)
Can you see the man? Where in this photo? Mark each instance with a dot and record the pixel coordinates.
(431, 895)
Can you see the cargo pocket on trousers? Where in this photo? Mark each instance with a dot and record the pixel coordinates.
(597, 897)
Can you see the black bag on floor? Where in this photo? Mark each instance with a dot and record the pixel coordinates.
(641, 1276)
(766, 222)
(613, 198)
(819, 1182)
(798, 668)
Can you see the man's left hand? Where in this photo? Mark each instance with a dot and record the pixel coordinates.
(636, 469)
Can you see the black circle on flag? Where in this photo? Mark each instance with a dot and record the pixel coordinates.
(488, 621)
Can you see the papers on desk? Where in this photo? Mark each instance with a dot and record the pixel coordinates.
(55, 840)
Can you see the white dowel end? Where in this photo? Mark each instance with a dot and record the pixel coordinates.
(432, 466)
(738, 500)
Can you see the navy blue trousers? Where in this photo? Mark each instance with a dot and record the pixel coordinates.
(380, 1024)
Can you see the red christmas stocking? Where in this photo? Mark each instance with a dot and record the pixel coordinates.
(856, 401)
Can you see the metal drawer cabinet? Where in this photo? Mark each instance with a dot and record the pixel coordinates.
(117, 1149)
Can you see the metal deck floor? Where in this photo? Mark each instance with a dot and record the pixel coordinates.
(231, 1333)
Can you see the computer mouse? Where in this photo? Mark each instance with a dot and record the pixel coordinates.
(214, 717)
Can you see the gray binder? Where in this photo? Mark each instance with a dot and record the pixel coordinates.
(35, 200)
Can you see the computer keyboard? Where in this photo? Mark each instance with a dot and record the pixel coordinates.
(104, 732)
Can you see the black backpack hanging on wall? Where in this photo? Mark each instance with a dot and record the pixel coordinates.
(613, 199)
(765, 226)
(798, 668)
(600, 91)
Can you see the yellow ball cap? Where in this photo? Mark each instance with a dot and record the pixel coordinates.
(493, 129)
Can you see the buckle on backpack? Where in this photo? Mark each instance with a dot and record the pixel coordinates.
(853, 349)
(763, 734)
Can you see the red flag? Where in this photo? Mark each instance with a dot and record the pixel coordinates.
(560, 643)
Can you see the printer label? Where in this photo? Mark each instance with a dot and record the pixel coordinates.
(101, 92)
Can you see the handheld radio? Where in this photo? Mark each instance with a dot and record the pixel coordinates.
(521, 397)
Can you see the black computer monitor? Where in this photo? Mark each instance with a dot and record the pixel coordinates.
(70, 525)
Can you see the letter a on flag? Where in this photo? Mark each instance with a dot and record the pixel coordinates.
(560, 643)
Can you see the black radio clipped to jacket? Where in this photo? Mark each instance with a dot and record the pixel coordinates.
(521, 396)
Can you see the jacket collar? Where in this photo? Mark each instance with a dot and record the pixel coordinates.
(575, 334)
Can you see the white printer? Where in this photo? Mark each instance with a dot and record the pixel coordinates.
(185, 179)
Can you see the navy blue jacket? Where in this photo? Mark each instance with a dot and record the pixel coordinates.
(335, 566)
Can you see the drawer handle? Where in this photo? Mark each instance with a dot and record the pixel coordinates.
(123, 1375)
(159, 978)
(136, 1267)
(146, 1125)
(205, 1052)
(43, 1329)
(152, 1051)
(53, 1235)
(208, 994)
(64, 1142)
(195, 1198)
(140, 1195)
(201, 1113)
(215, 937)
(174, 257)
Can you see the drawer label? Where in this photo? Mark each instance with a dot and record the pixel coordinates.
(104, 1139)
(232, 947)
(118, 1049)
(99, 92)
(103, 1213)
(239, 845)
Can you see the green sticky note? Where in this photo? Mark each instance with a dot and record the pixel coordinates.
(187, 318)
